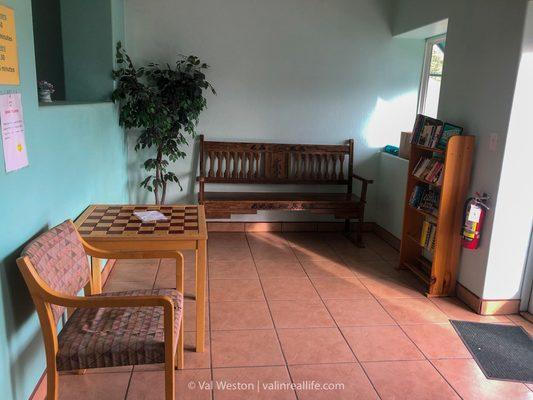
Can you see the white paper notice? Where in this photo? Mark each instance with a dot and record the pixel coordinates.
(12, 124)
(149, 216)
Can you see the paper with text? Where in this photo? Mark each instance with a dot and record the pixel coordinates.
(12, 125)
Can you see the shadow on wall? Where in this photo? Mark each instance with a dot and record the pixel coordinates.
(19, 309)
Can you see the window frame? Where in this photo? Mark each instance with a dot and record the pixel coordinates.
(426, 70)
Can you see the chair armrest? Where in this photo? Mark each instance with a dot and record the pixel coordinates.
(51, 296)
(364, 180)
(130, 255)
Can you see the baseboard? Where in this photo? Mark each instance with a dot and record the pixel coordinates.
(279, 226)
(527, 316)
(39, 393)
(386, 236)
(486, 306)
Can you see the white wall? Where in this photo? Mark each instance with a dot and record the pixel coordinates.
(483, 50)
(295, 71)
(391, 184)
(513, 215)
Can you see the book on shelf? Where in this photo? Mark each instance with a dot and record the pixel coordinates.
(425, 198)
(448, 130)
(433, 133)
(427, 235)
(429, 170)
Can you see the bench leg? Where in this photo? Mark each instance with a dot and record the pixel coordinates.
(359, 233)
(358, 241)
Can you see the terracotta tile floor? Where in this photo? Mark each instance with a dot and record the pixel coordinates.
(305, 308)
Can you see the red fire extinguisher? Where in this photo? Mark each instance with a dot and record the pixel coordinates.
(475, 210)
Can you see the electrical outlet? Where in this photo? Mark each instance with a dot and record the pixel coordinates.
(493, 142)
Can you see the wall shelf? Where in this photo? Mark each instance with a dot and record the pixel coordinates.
(440, 274)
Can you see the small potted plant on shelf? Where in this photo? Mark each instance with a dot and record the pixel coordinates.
(165, 103)
(45, 91)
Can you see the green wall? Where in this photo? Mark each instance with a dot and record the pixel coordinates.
(49, 44)
(87, 34)
(77, 157)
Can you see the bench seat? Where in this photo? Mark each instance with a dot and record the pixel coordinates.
(224, 204)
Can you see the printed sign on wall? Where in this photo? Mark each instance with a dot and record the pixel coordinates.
(12, 124)
(9, 64)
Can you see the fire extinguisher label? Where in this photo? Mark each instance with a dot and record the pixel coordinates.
(474, 214)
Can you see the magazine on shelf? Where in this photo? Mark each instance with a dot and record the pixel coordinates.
(433, 133)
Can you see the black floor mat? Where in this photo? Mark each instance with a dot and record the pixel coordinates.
(501, 351)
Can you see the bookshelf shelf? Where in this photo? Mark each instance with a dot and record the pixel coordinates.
(420, 273)
(439, 274)
(431, 149)
(413, 238)
(424, 213)
(426, 182)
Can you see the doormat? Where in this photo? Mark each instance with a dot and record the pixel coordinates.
(502, 351)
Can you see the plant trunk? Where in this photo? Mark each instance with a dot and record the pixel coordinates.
(158, 176)
(164, 194)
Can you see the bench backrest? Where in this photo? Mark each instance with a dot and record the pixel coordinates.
(274, 163)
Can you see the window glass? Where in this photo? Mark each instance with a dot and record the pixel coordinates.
(432, 77)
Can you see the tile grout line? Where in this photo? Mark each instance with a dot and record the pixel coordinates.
(129, 384)
(272, 318)
(335, 322)
(133, 367)
(410, 339)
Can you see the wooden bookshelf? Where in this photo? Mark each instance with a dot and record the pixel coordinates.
(440, 272)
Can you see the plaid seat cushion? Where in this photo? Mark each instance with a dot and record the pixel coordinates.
(112, 337)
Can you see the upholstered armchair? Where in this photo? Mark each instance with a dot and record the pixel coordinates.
(106, 330)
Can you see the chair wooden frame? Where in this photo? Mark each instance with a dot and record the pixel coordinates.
(44, 296)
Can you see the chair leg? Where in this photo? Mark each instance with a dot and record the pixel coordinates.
(52, 384)
(180, 356)
(170, 392)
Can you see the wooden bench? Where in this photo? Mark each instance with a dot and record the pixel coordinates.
(288, 164)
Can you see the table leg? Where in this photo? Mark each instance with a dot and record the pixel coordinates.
(96, 276)
(180, 287)
(201, 258)
(195, 274)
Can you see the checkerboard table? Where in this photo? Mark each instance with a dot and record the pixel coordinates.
(121, 220)
(117, 228)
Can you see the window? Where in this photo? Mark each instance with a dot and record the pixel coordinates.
(428, 101)
(74, 48)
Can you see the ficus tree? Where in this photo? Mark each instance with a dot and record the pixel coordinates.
(165, 103)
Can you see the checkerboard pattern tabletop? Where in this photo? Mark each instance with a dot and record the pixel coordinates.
(120, 220)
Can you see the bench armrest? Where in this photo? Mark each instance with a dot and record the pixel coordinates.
(364, 186)
(364, 180)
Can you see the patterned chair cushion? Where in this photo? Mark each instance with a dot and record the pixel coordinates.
(60, 260)
(112, 337)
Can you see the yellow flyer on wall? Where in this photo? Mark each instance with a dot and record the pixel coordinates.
(12, 124)
(9, 65)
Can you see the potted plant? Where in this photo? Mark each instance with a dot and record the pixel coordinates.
(164, 102)
(45, 91)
